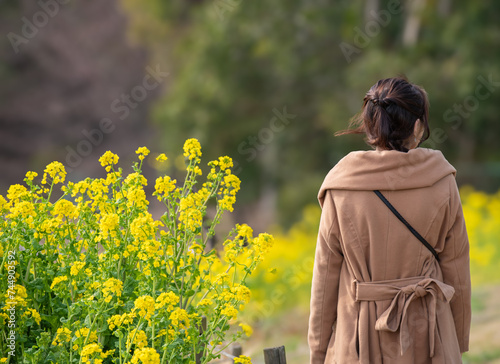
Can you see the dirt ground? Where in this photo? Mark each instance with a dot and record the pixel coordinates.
(290, 330)
(485, 330)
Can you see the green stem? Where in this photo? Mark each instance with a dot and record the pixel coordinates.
(69, 316)
(50, 192)
(135, 333)
(72, 292)
(119, 266)
(209, 290)
(213, 325)
(26, 276)
(51, 305)
(91, 327)
(224, 347)
(153, 322)
(164, 357)
(234, 274)
(3, 260)
(120, 345)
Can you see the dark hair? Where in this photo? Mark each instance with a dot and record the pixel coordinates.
(390, 109)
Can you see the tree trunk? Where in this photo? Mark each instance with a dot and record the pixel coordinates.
(444, 8)
(371, 8)
(413, 22)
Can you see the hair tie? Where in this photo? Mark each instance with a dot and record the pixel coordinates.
(382, 102)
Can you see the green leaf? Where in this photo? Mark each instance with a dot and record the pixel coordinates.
(88, 321)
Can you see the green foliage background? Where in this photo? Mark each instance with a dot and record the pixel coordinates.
(232, 65)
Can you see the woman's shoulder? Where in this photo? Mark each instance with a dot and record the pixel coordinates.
(388, 170)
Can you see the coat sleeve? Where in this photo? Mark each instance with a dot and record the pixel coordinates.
(325, 283)
(454, 261)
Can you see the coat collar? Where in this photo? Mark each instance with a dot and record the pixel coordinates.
(387, 170)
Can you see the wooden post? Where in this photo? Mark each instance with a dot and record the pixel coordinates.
(275, 355)
(201, 329)
(236, 350)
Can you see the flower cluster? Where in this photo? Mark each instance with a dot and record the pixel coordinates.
(55, 171)
(99, 280)
(108, 160)
(192, 149)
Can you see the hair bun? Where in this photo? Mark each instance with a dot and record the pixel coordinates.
(403, 103)
(382, 102)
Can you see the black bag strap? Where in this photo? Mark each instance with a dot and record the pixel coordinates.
(401, 218)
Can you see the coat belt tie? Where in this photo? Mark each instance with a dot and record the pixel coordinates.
(402, 292)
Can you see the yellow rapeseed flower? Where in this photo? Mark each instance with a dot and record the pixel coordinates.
(245, 231)
(47, 227)
(3, 202)
(163, 186)
(108, 225)
(205, 302)
(65, 208)
(84, 331)
(56, 171)
(191, 207)
(136, 197)
(229, 311)
(138, 338)
(34, 314)
(192, 149)
(112, 286)
(197, 171)
(146, 306)
(16, 192)
(89, 350)
(143, 152)
(23, 209)
(119, 320)
(20, 297)
(146, 356)
(105, 219)
(232, 184)
(161, 158)
(76, 267)
(262, 244)
(247, 329)
(143, 227)
(31, 175)
(108, 159)
(243, 359)
(63, 335)
(169, 299)
(112, 177)
(225, 163)
(58, 280)
(179, 318)
(135, 179)
(241, 293)
(229, 187)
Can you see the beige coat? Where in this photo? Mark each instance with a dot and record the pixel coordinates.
(378, 294)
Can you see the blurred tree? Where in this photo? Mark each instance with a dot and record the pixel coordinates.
(62, 68)
(238, 64)
(261, 91)
(269, 85)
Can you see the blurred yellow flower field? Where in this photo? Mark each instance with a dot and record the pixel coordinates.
(482, 217)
